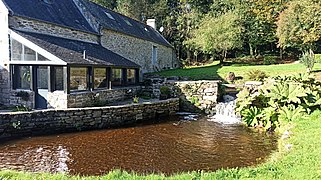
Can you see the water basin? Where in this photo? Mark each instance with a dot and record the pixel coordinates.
(176, 145)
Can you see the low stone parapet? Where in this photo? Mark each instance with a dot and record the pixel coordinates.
(22, 124)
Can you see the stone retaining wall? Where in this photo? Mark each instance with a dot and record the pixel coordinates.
(24, 124)
(195, 96)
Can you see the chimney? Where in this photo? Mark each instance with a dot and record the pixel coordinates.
(151, 23)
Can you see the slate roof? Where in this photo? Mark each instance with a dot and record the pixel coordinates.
(60, 12)
(71, 51)
(124, 24)
(66, 13)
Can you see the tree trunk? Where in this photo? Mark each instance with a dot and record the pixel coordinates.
(281, 53)
(251, 50)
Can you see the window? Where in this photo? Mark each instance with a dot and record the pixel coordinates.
(78, 78)
(42, 77)
(154, 55)
(131, 76)
(59, 79)
(109, 16)
(100, 78)
(116, 78)
(16, 50)
(21, 77)
(29, 54)
(20, 52)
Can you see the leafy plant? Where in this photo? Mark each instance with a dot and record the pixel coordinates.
(22, 108)
(165, 92)
(267, 60)
(256, 75)
(16, 125)
(135, 99)
(279, 99)
(194, 100)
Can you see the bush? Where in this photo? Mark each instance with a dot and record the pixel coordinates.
(267, 60)
(317, 58)
(256, 75)
(165, 92)
(279, 99)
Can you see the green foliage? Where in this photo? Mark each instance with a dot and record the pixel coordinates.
(194, 100)
(267, 60)
(165, 90)
(256, 75)
(279, 99)
(308, 60)
(135, 99)
(22, 108)
(299, 24)
(317, 58)
(217, 34)
(16, 125)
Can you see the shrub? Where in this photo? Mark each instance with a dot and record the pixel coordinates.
(279, 99)
(267, 60)
(135, 99)
(307, 59)
(165, 92)
(317, 58)
(256, 75)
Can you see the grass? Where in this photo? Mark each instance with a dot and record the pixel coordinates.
(215, 71)
(302, 161)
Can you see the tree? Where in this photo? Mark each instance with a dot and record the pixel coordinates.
(218, 34)
(299, 25)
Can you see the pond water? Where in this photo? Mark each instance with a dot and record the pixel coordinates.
(167, 147)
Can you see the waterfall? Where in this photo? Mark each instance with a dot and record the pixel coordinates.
(225, 112)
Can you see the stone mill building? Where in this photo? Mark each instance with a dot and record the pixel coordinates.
(73, 53)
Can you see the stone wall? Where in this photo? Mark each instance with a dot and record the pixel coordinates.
(96, 98)
(139, 51)
(24, 124)
(29, 25)
(195, 96)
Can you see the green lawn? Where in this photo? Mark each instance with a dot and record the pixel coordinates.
(303, 161)
(215, 71)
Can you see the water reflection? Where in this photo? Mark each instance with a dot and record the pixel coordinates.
(162, 147)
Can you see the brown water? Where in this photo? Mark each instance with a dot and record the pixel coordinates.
(167, 147)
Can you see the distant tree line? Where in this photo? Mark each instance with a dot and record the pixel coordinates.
(200, 29)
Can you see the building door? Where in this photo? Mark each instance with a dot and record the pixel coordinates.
(41, 91)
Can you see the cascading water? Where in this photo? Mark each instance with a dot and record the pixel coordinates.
(225, 111)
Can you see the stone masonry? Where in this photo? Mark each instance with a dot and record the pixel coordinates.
(139, 51)
(50, 29)
(195, 96)
(24, 124)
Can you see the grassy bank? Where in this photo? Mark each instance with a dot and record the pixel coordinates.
(302, 161)
(215, 71)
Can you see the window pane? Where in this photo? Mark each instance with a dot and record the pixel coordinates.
(78, 79)
(16, 50)
(116, 77)
(30, 55)
(59, 79)
(100, 80)
(22, 77)
(41, 58)
(131, 76)
(42, 77)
